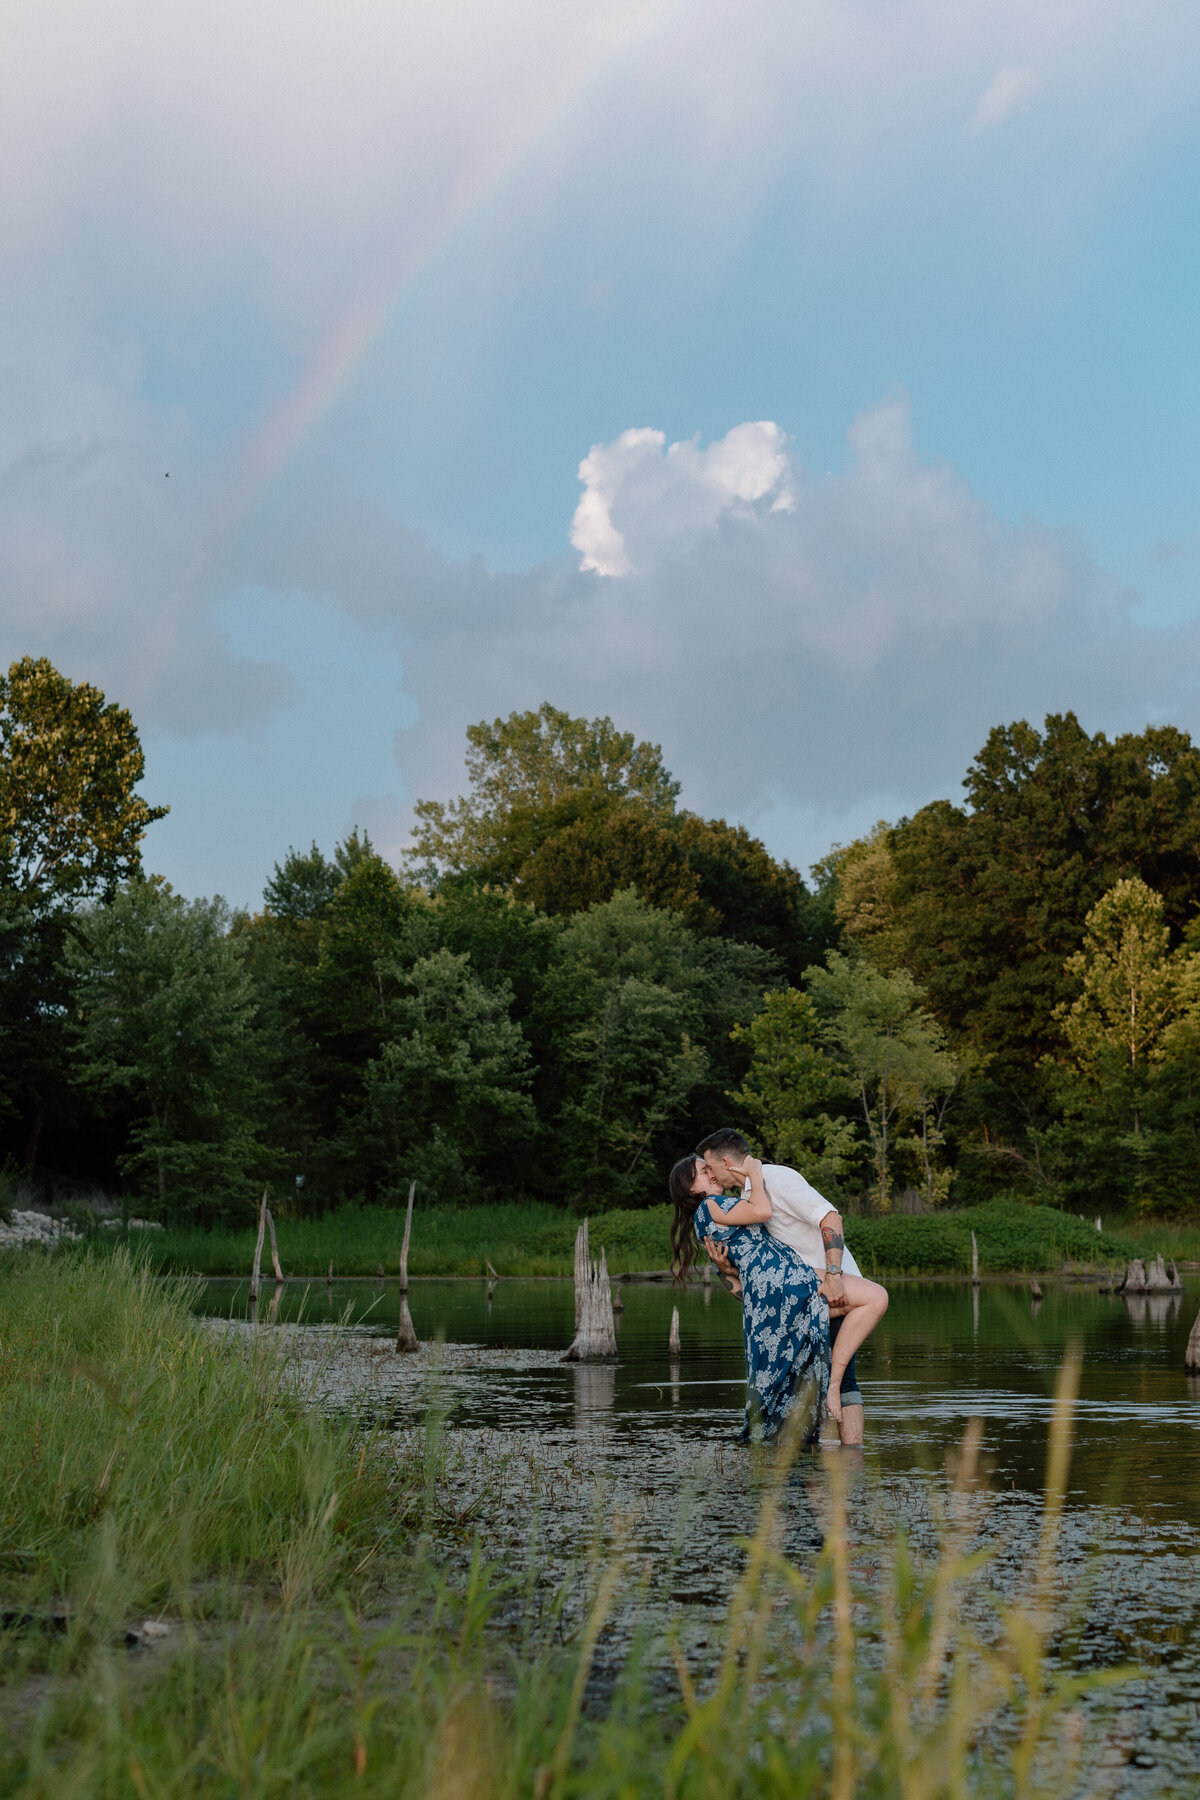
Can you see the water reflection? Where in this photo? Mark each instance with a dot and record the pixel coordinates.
(1158, 1309)
(595, 1393)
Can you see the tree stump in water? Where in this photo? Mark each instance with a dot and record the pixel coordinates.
(582, 1265)
(1134, 1279)
(595, 1327)
(412, 1188)
(1191, 1361)
(673, 1339)
(1035, 1290)
(1158, 1281)
(262, 1226)
(274, 1246)
(974, 1262)
(406, 1337)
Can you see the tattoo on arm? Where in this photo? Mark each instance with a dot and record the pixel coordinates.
(831, 1237)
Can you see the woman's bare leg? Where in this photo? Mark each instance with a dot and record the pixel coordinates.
(866, 1303)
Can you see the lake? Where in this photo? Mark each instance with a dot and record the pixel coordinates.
(654, 1438)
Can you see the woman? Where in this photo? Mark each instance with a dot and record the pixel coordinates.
(785, 1319)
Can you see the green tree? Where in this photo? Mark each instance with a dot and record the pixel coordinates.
(789, 1088)
(989, 901)
(887, 1045)
(531, 774)
(71, 827)
(164, 1013)
(448, 1091)
(629, 1012)
(564, 813)
(1127, 985)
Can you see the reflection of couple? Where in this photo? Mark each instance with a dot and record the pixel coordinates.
(781, 1246)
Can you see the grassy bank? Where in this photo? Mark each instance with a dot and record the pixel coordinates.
(149, 1463)
(516, 1240)
(538, 1240)
(142, 1460)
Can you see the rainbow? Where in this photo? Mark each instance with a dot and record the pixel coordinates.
(345, 347)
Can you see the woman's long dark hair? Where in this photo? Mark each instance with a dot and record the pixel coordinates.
(684, 1248)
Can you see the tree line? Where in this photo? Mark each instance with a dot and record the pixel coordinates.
(572, 976)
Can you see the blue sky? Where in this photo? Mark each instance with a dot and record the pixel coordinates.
(907, 288)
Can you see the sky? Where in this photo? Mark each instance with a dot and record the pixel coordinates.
(808, 385)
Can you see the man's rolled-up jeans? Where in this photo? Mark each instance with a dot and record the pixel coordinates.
(851, 1392)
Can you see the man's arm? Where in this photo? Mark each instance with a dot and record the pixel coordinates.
(835, 1245)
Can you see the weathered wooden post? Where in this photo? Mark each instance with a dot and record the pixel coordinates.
(1191, 1361)
(1035, 1290)
(406, 1337)
(412, 1188)
(596, 1329)
(582, 1266)
(274, 1247)
(673, 1339)
(974, 1262)
(258, 1249)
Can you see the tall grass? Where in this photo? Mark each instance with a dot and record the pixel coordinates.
(831, 1680)
(141, 1459)
(446, 1240)
(538, 1240)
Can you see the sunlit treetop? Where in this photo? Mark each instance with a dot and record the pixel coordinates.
(71, 825)
(532, 773)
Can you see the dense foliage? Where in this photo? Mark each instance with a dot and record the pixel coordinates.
(573, 978)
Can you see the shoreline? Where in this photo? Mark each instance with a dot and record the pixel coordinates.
(663, 1278)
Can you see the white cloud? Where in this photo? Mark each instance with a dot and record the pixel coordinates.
(1011, 90)
(794, 662)
(636, 489)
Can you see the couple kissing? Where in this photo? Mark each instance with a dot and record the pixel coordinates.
(806, 1308)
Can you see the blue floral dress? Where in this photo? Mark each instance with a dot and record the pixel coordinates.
(785, 1320)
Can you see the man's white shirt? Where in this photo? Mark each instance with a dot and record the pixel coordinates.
(797, 1211)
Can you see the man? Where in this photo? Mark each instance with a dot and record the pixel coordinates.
(805, 1220)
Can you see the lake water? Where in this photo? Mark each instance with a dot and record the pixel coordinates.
(943, 1355)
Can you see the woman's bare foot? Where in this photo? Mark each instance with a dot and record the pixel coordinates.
(833, 1399)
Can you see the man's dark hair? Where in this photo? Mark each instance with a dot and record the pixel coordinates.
(725, 1142)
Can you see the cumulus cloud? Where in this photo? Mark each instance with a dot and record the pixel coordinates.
(803, 665)
(1011, 90)
(859, 641)
(637, 489)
